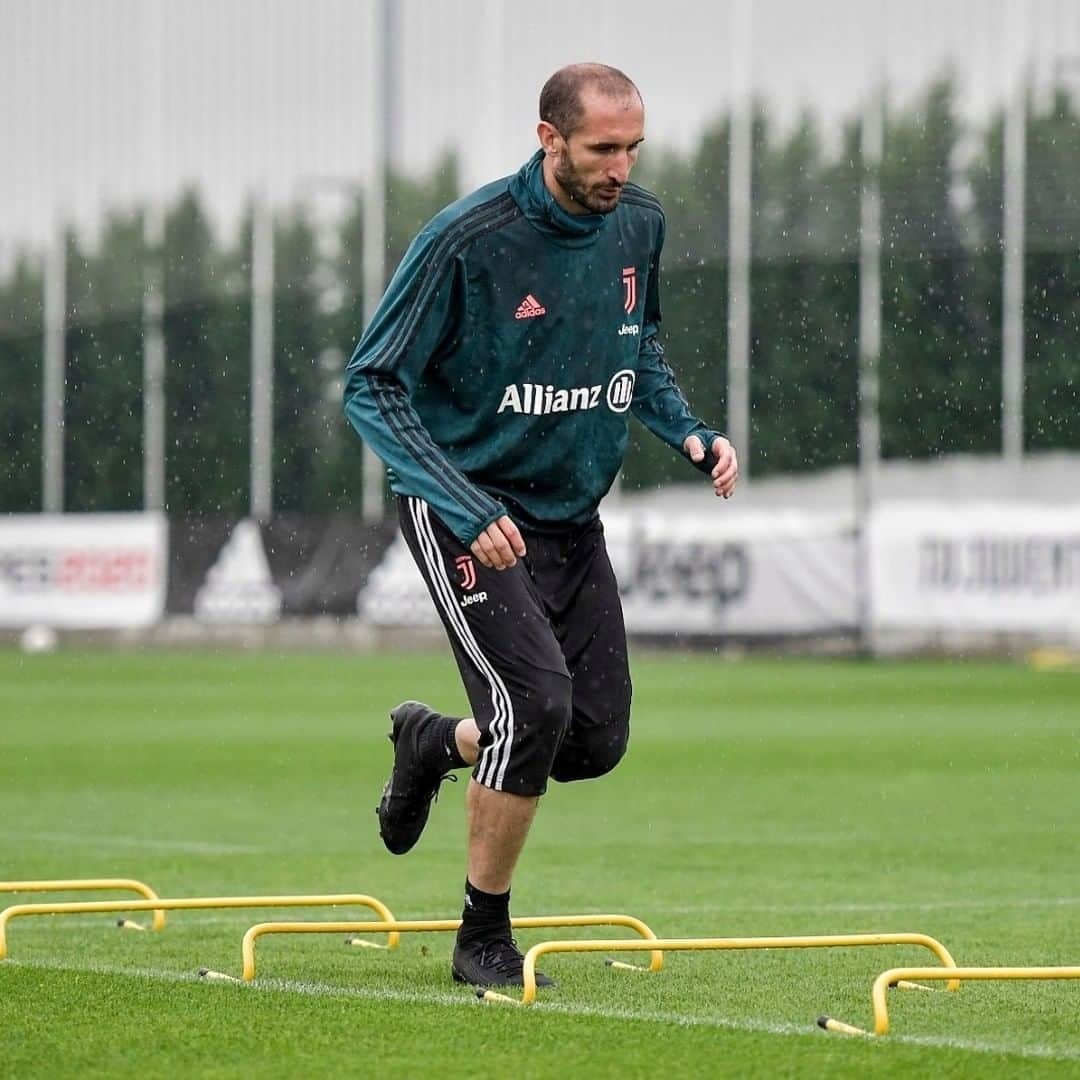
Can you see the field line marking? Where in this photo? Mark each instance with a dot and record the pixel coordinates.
(891, 905)
(466, 999)
(150, 844)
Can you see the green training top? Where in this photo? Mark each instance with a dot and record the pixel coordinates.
(498, 373)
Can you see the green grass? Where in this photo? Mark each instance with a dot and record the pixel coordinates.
(758, 798)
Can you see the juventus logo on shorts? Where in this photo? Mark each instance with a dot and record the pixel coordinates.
(467, 568)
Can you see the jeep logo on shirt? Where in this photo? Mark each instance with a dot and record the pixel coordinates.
(535, 399)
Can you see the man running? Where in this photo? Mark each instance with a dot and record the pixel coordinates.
(496, 380)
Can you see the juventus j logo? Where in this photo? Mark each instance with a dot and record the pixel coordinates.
(467, 569)
(629, 280)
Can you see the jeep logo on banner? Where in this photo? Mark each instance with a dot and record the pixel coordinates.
(719, 575)
(688, 571)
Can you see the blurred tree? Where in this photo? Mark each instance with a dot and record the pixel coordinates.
(1052, 316)
(804, 303)
(207, 342)
(694, 339)
(693, 293)
(940, 369)
(21, 348)
(103, 401)
(804, 297)
(411, 203)
(299, 332)
(694, 191)
(1051, 268)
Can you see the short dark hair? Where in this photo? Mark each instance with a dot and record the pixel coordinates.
(560, 99)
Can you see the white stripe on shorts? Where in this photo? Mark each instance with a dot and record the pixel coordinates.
(493, 758)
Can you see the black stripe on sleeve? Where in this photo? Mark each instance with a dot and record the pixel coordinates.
(486, 217)
(388, 395)
(669, 371)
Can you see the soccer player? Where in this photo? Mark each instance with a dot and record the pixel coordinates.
(496, 380)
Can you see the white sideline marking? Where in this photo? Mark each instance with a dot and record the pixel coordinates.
(465, 998)
(892, 905)
(150, 844)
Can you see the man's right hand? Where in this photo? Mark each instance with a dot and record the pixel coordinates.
(500, 545)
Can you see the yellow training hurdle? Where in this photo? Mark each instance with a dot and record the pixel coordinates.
(79, 884)
(832, 941)
(191, 903)
(897, 976)
(901, 977)
(413, 926)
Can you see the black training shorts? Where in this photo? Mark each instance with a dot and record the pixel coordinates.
(541, 648)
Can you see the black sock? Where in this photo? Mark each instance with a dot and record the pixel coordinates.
(438, 746)
(485, 916)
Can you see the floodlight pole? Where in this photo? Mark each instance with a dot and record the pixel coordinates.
(53, 376)
(871, 139)
(262, 360)
(153, 75)
(380, 62)
(153, 313)
(740, 160)
(1013, 243)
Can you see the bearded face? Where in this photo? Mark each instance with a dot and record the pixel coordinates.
(590, 166)
(594, 190)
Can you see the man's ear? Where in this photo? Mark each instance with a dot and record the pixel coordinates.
(551, 142)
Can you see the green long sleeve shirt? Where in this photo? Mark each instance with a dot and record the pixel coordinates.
(514, 341)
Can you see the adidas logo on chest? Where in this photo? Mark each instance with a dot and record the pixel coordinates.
(529, 308)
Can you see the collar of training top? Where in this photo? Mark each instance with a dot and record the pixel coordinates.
(539, 206)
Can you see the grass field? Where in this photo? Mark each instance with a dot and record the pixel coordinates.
(758, 798)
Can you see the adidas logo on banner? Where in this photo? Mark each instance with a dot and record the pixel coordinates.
(238, 587)
(529, 308)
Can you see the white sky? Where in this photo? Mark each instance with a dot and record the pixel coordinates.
(110, 101)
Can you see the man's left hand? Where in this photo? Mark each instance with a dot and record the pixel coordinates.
(725, 473)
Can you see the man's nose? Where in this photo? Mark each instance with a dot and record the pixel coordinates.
(619, 169)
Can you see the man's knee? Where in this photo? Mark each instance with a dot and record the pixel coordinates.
(517, 748)
(550, 706)
(591, 752)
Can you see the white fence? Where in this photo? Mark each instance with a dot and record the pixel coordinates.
(928, 572)
(934, 568)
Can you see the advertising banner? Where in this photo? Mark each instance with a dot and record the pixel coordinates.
(235, 570)
(82, 571)
(774, 573)
(749, 573)
(395, 593)
(998, 567)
